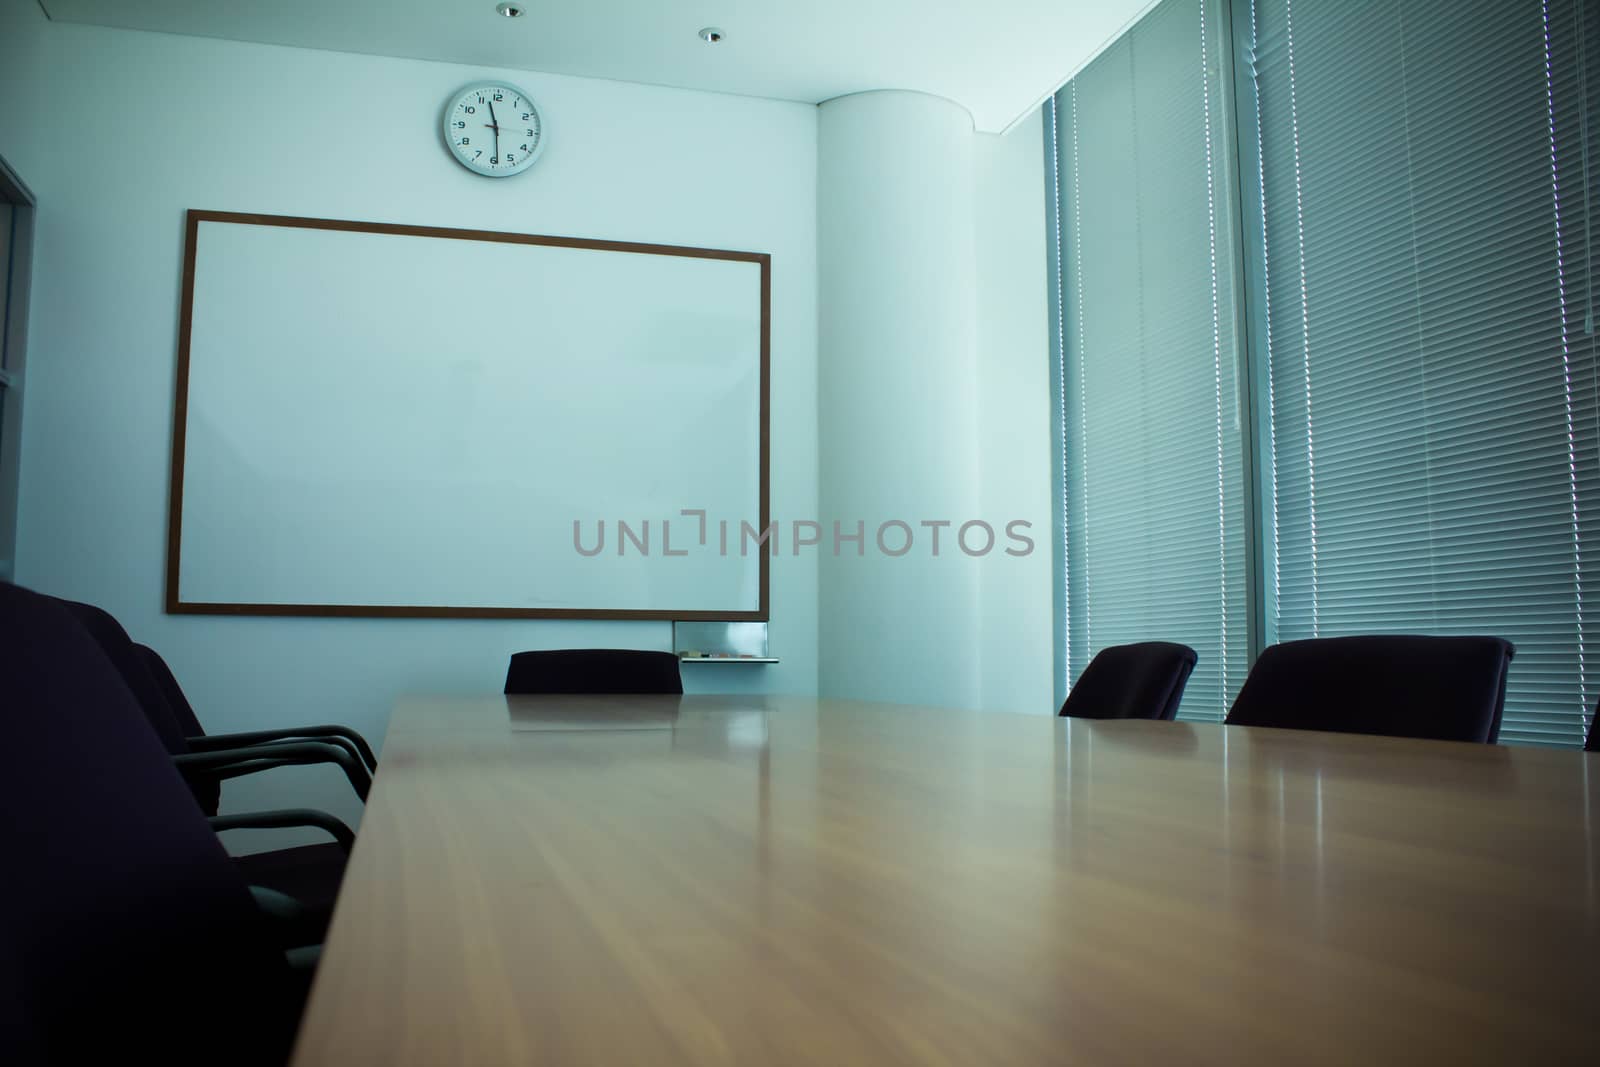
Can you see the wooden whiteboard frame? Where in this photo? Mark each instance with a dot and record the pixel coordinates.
(175, 605)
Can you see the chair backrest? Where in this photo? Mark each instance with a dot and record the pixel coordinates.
(1592, 744)
(132, 667)
(208, 791)
(1138, 681)
(129, 929)
(1446, 688)
(171, 691)
(170, 724)
(594, 670)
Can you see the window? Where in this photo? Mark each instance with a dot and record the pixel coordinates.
(16, 230)
(1152, 479)
(1426, 347)
(1413, 442)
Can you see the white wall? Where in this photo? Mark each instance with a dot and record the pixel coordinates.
(119, 132)
(1014, 415)
(22, 30)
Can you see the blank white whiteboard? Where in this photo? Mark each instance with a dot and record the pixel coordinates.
(388, 420)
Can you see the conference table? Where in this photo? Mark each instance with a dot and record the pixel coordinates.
(782, 880)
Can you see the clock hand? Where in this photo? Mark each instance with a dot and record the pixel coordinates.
(496, 122)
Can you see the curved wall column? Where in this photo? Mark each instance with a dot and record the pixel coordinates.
(897, 384)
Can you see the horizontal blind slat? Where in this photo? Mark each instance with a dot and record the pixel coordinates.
(1435, 432)
(1155, 497)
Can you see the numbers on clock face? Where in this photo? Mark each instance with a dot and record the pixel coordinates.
(494, 130)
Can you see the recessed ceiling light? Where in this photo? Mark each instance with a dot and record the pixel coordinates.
(711, 35)
(510, 11)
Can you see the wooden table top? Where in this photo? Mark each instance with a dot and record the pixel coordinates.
(773, 880)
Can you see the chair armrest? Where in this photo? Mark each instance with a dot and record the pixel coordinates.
(303, 961)
(207, 742)
(297, 931)
(217, 742)
(279, 907)
(234, 762)
(288, 817)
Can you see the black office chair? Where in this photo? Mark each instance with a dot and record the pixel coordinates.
(207, 767)
(308, 874)
(129, 935)
(1592, 743)
(594, 670)
(198, 740)
(1138, 681)
(1445, 688)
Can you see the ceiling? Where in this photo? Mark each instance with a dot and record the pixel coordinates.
(998, 58)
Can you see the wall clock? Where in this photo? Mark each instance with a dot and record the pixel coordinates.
(493, 129)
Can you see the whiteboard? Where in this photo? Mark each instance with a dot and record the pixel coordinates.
(390, 420)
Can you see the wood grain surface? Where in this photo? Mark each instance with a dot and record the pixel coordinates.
(769, 880)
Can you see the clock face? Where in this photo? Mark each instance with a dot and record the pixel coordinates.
(493, 129)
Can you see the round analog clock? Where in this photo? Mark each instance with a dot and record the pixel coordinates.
(493, 129)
